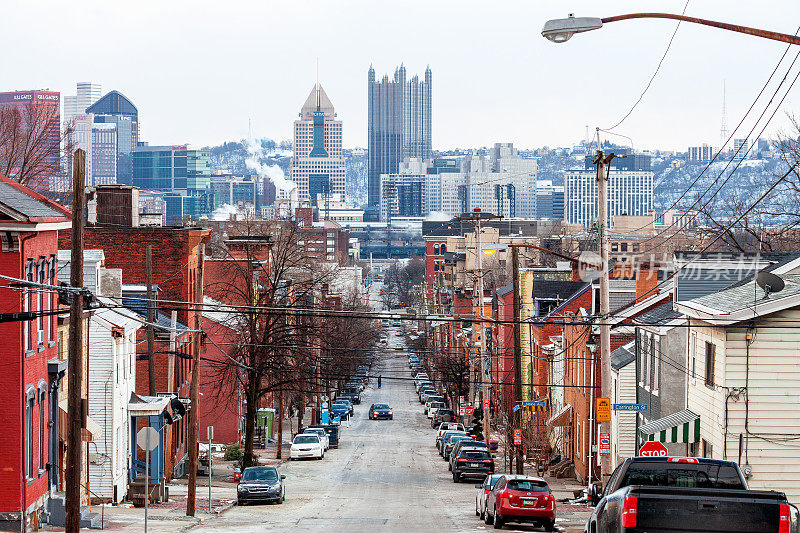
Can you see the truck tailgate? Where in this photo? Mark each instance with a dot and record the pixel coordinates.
(666, 509)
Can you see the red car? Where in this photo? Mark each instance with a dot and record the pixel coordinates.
(521, 499)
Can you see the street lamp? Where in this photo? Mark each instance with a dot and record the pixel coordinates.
(561, 30)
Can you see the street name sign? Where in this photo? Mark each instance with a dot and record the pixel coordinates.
(630, 407)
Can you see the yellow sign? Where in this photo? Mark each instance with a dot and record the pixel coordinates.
(604, 410)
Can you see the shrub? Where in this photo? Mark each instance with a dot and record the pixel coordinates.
(233, 453)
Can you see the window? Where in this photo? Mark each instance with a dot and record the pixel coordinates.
(693, 355)
(443, 249)
(40, 319)
(708, 449)
(28, 304)
(614, 247)
(30, 399)
(53, 298)
(42, 400)
(710, 353)
(435, 249)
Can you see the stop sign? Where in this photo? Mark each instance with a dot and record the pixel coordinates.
(468, 410)
(653, 449)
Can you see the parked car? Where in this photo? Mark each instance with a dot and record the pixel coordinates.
(332, 430)
(432, 398)
(353, 392)
(442, 415)
(260, 483)
(344, 398)
(446, 435)
(483, 492)
(340, 409)
(469, 443)
(306, 445)
(433, 407)
(447, 426)
(323, 436)
(380, 410)
(471, 463)
(648, 493)
(525, 499)
(447, 445)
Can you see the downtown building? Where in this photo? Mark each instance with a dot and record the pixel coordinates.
(502, 183)
(87, 93)
(630, 190)
(182, 173)
(99, 141)
(43, 110)
(398, 126)
(114, 108)
(318, 165)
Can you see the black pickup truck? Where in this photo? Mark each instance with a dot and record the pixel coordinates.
(674, 494)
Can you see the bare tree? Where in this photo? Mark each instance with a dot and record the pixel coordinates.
(31, 141)
(267, 274)
(402, 283)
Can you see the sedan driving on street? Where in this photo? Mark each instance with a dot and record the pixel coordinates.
(305, 446)
(379, 411)
(521, 499)
(260, 484)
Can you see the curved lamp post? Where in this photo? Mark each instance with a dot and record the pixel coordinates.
(561, 30)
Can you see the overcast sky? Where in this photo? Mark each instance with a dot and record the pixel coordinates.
(198, 70)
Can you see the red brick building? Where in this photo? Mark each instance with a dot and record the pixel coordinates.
(175, 260)
(29, 224)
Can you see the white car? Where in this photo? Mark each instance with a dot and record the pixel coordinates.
(322, 436)
(433, 407)
(448, 426)
(307, 445)
(483, 493)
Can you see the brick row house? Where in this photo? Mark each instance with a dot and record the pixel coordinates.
(30, 383)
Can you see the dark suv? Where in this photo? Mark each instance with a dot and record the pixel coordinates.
(472, 462)
(442, 415)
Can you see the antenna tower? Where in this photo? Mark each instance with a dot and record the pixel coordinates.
(723, 130)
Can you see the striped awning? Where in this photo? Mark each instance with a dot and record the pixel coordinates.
(683, 426)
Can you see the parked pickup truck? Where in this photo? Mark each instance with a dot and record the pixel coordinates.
(660, 494)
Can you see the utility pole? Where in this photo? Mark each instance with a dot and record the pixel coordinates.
(194, 387)
(75, 412)
(602, 161)
(151, 364)
(517, 304)
(477, 216)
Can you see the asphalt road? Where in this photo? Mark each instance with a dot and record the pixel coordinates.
(385, 476)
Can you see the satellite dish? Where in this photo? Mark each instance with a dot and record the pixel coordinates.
(769, 282)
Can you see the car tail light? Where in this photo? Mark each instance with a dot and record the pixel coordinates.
(691, 460)
(461, 460)
(629, 512)
(551, 501)
(785, 521)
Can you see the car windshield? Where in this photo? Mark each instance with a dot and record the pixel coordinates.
(455, 438)
(340, 404)
(436, 405)
(443, 412)
(381, 406)
(704, 476)
(306, 439)
(528, 485)
(474, 455)
(320, 432)
(259, 474)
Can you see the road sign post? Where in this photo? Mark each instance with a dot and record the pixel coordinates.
(147, 438)
(604, 444)
(653, 448)
(603, 410)
(517, 437)
(210, 438)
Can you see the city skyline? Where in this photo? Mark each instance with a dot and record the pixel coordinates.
(686, 96)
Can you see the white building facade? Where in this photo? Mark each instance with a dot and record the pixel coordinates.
(630, 192)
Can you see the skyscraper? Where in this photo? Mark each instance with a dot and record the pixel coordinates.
(115, 108)
(87, 94)
(398, 125)
(317, 164)
(40, 114)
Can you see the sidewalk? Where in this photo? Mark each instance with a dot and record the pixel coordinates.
(170, 516)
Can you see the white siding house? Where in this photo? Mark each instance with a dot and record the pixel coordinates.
(623, 390)
(112, 378)
(745, 348)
